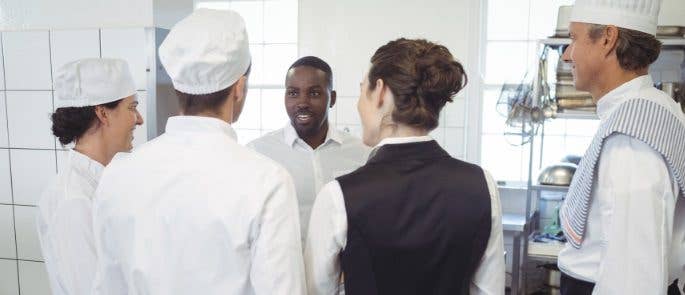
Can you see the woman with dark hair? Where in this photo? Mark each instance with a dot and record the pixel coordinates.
(97, 102)
(413, 220)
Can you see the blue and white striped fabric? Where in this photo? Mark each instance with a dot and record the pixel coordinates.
(643, 120)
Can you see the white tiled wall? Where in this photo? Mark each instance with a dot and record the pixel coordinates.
(28, 119)
(8, 277)
(30, 156)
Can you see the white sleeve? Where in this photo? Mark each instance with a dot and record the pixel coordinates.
(489, 277)
(326, 238)
(277, 266)
(639, 229)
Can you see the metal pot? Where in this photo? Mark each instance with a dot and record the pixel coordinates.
(558, 174)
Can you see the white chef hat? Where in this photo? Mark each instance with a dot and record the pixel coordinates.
(92, 81)
(206, 52)
(639, 15)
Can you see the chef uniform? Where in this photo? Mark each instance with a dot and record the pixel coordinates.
(624, 215)
(192, 211)
(65, 209)
(341, 153)
(412, 220)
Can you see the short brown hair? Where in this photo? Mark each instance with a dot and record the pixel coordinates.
(193, 104)
(635, 50)
(423, 76)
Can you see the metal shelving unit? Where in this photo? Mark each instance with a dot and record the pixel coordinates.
(524, 225)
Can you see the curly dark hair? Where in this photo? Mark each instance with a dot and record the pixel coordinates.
(423, 76)
(70, 123)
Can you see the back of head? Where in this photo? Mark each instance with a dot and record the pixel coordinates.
(423, 76)
(205, 54)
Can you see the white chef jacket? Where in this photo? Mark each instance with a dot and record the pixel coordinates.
(194, 212)
(327, 237)
(65, 228)
(311, 169)
(635, 236)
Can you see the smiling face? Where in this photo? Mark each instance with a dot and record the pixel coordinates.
(122, 121)
(585, 55)
(308, 98)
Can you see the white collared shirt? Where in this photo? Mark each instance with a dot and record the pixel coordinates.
(65, 226)
(194, 212)
(311, 169)
(327, 237)
(635, 236)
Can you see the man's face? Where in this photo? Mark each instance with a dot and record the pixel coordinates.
(307, 99)
(585, 55)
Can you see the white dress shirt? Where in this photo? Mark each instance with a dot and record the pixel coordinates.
(65, 226)
(327, 237)
(311, 169)
(194, 212)
(635, 236)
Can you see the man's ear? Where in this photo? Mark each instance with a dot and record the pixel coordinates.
(334, 96)
(610, 39)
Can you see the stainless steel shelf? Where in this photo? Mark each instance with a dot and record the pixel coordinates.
(566, 41)
(576, 115)
(551, 188)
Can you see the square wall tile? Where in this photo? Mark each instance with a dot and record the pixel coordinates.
(28, 245)
(128, 44)
(140, 133)
(280, 21)
(454, 113)
(3, 120)
(2, 66)
(274, 115)
(71, 45)
(439, 135)
(9, 279)
(27, 60)
(253, 14)
(454, 141)
(28, 114)
(347, 110)
(251, 116)
(5, 179)
(33, 278)
(32, 171)
(277, 59)
(257, 67)
(8, 248)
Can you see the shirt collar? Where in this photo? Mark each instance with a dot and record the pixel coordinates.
(198, 124)
(89, 168)
(398, 140)
(610, 101)
(290, 135)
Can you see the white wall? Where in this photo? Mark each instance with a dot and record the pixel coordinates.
(22, 15)
(29, 154)
(347, 33)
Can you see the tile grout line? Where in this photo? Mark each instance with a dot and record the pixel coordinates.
(9, 158)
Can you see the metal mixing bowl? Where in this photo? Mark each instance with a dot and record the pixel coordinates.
(558, 174)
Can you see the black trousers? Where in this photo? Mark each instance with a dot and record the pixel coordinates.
(572, 286)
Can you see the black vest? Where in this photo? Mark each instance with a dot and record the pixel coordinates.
(418, 222)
